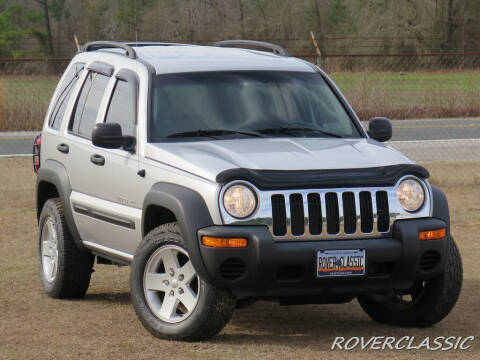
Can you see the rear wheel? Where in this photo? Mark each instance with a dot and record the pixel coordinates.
(65, 270)
(427, 302)
(169, 297)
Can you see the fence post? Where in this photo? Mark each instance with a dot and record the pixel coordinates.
(75, 40)
(317, 49)
(3, 103)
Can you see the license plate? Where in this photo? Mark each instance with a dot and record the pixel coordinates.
(340, 263)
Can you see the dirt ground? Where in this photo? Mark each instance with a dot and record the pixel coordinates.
(104, 326)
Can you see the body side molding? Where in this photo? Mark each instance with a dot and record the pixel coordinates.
(103, 216)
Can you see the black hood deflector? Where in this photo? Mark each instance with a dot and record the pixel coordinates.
(335, 178)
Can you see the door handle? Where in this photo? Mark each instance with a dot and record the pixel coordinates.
(97, 159)
(63, 148)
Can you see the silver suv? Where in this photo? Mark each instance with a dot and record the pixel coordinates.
(228, 174)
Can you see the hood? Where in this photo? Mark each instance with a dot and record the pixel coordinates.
(209, 158)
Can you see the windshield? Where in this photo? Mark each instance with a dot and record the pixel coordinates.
(240, 104)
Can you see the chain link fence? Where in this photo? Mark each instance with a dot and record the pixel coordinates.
(433, 99)
(409, 86)
(26, 87)
(396, 86)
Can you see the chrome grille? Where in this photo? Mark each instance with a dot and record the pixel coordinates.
(346, 213)
(328, 214)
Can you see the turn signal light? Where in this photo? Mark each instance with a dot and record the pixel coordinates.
(219, 242)
(432, 234)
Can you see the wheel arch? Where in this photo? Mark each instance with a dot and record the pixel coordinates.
(156, 215)
(45, 190)
(167, 201)
(52, 181)
(440, 207)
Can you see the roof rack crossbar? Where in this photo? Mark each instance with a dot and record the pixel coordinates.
(150, 43)
(96, 45)
(277, 49)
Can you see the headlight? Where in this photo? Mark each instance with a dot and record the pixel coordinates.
(411, 195)
(239, 201)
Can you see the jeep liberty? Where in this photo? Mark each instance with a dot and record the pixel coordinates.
(229, 174)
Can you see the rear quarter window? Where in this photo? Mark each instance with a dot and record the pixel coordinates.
(65, 88)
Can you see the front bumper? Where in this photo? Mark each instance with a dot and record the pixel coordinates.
(273, 269)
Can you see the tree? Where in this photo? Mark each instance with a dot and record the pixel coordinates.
(15, 25)
(48, 41)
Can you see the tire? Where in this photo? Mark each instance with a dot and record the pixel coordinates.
(195, 320)
(432, 300)
(65, 270)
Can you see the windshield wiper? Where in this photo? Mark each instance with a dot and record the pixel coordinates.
(213, 132)
(288, 129)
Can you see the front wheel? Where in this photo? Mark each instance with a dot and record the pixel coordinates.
(427, 303)
(170, 299)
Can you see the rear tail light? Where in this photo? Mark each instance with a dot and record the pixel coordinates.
(36, 153)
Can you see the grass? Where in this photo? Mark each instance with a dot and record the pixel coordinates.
(412, 94)
(24, 98)
(104, 325)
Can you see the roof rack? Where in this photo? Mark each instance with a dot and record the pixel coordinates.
(277, 49)
(97, 45)
(150, 43)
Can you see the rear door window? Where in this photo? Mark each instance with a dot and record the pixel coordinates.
(63, 95)
(88, 103)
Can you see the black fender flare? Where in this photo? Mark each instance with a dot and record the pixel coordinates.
(440, 207)
(54, 172)
(191, 212)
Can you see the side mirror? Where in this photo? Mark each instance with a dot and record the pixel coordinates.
(109, 136)
(380, 129)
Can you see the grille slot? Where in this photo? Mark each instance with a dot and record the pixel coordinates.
(349, 213)
(333, 218)
(429, 260)
(279, 215)
(383, 214)
(232, 269)
(366, 212)
(314, 213)
(297, 217)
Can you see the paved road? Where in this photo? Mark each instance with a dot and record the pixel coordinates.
(421, 140)
(436, 129)
(16, 143)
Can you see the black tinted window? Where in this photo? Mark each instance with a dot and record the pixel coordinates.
(88, 103)
(121, 109)
(246, 101)
(63, 96)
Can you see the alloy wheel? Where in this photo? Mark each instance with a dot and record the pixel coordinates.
(171, 284)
